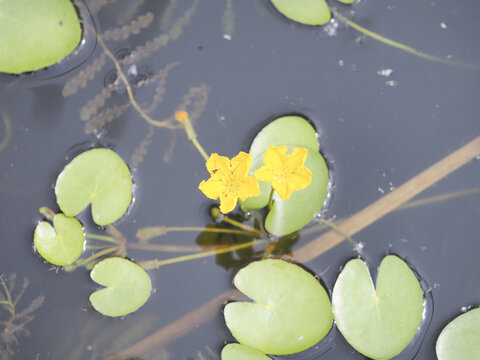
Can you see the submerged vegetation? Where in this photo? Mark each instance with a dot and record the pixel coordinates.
(13, 320)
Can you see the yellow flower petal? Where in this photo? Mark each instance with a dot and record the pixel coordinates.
(241, 165)
(212, 188)
(296, 159)
(248, 188)
(283, 190)
(218, 164)
(228, 201)
(275, 156)
(266, 174)
(299, 180)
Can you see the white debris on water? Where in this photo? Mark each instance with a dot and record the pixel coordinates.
(331, 28)
(227, 37)
(436, 285)
(464, 309)
(443, 25)
(341, 63)
(381, 191)
(391, 83)
(385, 72)
(359, 248)
(403, 240)
(132, 70)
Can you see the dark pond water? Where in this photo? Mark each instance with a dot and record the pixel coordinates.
(248, 64)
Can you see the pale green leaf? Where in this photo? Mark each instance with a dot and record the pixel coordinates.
(128, 287)
(36, 33)
(460, 339)
(309, 12)
(61, 245)
(99, 177)
(380, 321)
(242, 352)
(290, 313)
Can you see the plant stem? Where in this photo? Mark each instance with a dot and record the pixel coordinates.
(101, 237)
(155, 264)
(241, 226)
(192, 136)
(270, 199)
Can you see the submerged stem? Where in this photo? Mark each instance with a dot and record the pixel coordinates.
(399, 45)
(241, 226)
(155, 264)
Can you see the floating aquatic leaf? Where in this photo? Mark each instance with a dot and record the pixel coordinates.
(287, 216)
(378, 322)
(99, 177)
(61, 244)
(291, 311)
(36, 34)
(309, 12)
(242, 352)
(128, 287)
(347, 1)
(460, 339)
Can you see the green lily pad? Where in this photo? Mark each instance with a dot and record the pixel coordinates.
(290, 313)
(287, 216)
(309, 12)
(128, 287)
(61, 245)
(460, 339)
(36, 34)
(242, 352)
(99, 177)
(381, 322)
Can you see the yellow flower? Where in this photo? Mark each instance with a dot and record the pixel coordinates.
(229, 180)
(286, 173)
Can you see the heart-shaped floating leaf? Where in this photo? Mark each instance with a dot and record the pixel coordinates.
(292, 214)
(242, 352)
(62, 245)
(291, 311)
(128, 287)
(460, 339)
(378, 322)
(309, 12)
(36, 34)
(99, 177)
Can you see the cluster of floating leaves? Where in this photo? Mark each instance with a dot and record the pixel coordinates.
(13, 321)
(98, 177)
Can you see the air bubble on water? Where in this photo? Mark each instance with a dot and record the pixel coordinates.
(464, 309)
(385, 72)
(391, 83)
(227, 37)
(341, 63)
(443, 25)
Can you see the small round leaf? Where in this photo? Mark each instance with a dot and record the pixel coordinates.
(61, 245)
(242, 352)
(99, 177)
(381, 322)
(460, 339)
(36, 34)
(309, 12)
(128, 287)
(290, 313)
